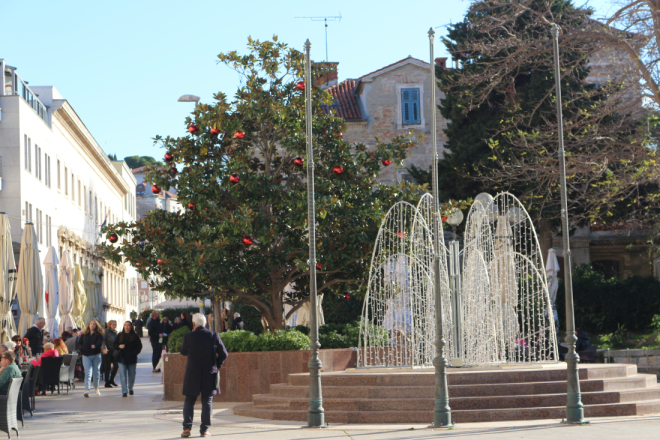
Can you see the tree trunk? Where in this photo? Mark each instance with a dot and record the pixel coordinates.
(218, 306)
(545, 233)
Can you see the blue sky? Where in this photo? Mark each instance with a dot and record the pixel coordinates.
(122, 65)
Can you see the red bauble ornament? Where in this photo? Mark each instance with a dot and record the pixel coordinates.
(298, 161)
(341, 135)
(318, 266)
(191, 206)
(338, 170)
(234, 178)
(174, 171)
(386, 162)
(239, 135)
(215, 131)
(168, 157)
(155, 189)
(247, 241)
(401, 234)
(347, 296)
(444, 219)
(113, 238)
(137, 264)
(159, 261)
(192, 128)
(300, 85)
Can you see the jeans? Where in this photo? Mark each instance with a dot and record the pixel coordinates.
(127, 374)
(189, 411)
(108, 361)
(92, 366)
(157, 348)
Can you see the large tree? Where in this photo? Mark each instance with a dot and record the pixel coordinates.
(240, 174)
(503, 131)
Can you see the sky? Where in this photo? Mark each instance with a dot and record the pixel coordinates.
(122, 65)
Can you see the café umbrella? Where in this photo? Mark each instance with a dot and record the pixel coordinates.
(30, 285)
(66, 292)
(52, 294)
(79, 298)
(7, 280)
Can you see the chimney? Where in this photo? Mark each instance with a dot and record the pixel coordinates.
(328, 75)
(441, 62)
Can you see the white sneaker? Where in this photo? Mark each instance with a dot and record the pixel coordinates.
(86, 393)
(98, 393)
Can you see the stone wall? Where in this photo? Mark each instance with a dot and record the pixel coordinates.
(245, 374)
(647, 360)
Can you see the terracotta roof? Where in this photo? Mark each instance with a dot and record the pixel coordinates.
(393, 64)
(171, 195)
(138, 170)
(345, 100)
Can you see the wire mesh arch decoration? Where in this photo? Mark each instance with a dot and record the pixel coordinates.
(498, 313)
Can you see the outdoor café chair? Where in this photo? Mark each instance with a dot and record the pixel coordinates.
(29, 403)
(8, 407)
(68, 372)
(23, 393)
(50, 372)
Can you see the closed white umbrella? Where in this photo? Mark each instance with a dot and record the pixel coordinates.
(7, 280)
(30, 285)
(79, 297)
(88, 311)
(98, 300)
(52, 292)
(551, 270)
(66, 292)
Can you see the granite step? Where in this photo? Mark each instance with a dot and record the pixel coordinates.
(394, 392)
(456, 403)
(458, 416)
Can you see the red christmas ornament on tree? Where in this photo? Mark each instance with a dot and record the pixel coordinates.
(341, 135)
(386, 162)
(192, 128)
(298, 161)
(444, 218)
(239, 135)
(155, 189)
(401, 234)
(215, 131)
(113, 238)
(159, 261)
(168, 157)
(174, 171)
(300, 85)
(234, 178)
(191, 206)
(318, 266)
(347, 296)
(338, 170)
(247, 241)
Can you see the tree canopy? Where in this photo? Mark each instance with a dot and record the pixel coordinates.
(240, 175)
(140, 161)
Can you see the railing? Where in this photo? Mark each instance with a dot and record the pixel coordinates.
(23, 90)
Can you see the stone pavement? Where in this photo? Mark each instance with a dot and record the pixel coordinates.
(145, 416)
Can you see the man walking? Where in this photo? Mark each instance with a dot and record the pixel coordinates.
(155, 331)
(138, 327)
(35, 335)
(206, 354)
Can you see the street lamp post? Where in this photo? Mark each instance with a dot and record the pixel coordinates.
(315, 413)
(442, 411)
(574, 407)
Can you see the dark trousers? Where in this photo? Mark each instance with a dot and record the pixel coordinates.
(155, 356)
(189, 411)
(110, 367)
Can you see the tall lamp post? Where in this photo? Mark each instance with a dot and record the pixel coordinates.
(574, 407)
(315, 413)
(442, 411)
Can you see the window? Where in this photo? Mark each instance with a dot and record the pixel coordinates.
(410, 106)
(37, 162)
(73, 188)
(48, 231)
(29, 154)
(66, 181)
(80, 195)
(96, 210)
(47, 167)
(59, 185)
(26, 148)
(90, 204)
(39, 227)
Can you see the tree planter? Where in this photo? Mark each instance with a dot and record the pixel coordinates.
(249, 373)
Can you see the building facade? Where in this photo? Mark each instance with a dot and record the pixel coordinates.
(56, 176)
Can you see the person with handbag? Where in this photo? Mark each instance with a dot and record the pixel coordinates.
(127, 347)
(109, 363)
(206, 354)
(90, 345)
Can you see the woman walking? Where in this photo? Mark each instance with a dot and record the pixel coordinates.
(109, 361)
(90, 344)
(127, 348)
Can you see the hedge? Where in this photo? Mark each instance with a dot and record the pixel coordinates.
(602, 306)
(243, 340)
(175, 339)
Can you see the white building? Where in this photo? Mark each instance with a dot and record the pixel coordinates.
(55, 175)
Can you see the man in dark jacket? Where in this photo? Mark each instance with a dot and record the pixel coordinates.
(138, 327)
(155, 331)
(35, 335)
(206, 354)
(185, 321)
(238, 323)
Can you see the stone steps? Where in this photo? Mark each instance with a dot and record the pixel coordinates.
(382, 396)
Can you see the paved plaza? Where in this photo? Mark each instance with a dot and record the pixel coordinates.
(145, 416)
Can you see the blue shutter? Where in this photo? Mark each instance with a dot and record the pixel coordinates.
(410, 111)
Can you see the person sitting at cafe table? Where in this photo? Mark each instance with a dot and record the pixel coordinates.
(21, 350)
(8, 370)
(49, 351)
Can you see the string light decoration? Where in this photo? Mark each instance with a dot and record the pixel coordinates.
(503, 312)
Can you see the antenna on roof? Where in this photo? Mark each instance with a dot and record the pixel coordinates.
(325, 19)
